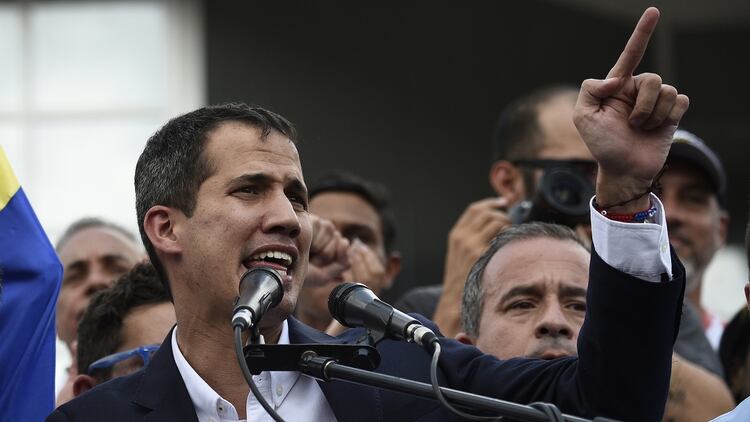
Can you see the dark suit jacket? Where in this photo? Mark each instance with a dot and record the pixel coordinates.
(622, 372)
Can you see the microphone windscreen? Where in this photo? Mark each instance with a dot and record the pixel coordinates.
(260, 289)
(337, 300)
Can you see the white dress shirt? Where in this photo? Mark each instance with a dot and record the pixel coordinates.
(294, 396)
(741, 413)
(639, 249)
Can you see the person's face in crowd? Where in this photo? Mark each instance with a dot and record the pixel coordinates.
(534, 299)
(143, 326)
(92, 259)
(253, 203)
(697, 224)
(561, 141)
(355, 218)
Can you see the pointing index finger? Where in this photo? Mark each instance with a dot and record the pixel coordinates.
(631, 56)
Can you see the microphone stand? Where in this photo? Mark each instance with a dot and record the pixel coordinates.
(325, 368)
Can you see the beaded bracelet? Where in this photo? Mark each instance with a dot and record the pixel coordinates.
(639, 217)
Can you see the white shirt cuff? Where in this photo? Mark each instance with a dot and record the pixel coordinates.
(638, 249)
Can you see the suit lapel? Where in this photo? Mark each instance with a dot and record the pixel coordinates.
(348, 401)
(162, 389)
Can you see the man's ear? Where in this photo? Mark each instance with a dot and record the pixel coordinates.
(507, 181)
(392, 268)
(159, 225)
(465, 338)
(83, 383)
(747, 294)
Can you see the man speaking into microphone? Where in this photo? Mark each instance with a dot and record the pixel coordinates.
(220, 191)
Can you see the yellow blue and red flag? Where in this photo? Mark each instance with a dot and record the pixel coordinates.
(30, 278)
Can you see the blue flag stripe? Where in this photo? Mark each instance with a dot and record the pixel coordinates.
(30, 283)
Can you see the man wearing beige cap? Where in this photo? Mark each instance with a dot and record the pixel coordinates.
(693, 193)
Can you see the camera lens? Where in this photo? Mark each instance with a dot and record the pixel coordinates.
(566, 190)
(562, 198)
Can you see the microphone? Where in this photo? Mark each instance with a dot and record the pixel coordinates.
(260, 290)
(354, 305)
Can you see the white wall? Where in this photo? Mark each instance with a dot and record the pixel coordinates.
(82, 86)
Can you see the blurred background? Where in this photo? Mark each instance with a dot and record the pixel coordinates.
(404, 93)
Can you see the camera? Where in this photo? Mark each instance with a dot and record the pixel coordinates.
(562, 195)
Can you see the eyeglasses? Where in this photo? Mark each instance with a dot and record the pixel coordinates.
(144, 352)
(587, 168)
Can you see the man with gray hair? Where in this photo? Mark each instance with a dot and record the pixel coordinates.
(536, 286)
(526, 297)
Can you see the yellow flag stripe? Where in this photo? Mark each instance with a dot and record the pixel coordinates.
(8, 182)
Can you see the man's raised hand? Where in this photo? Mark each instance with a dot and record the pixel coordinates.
(628, 121)
(328, 253)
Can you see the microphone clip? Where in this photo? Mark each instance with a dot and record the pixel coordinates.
(371, 337)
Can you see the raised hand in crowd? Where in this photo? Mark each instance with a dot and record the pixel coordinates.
(365, 268)
(328, 253)
(467, 241)
(627, 122)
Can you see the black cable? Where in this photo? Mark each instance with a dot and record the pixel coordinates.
(249, 377)
(439, 394)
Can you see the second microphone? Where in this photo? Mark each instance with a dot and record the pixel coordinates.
(354, 305)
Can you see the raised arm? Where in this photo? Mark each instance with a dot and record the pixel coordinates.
(627, 122)
(625, 344)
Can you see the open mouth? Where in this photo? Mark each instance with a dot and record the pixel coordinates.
(278, 260)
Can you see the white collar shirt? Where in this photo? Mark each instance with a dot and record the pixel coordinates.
(294, 396)
(741, 413)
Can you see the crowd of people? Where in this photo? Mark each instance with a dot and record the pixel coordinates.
(579, 284)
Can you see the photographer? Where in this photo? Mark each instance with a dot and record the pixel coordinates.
(536, 150)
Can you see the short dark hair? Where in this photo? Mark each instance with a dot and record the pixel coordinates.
(473, 298)
(373, 193)
(100, 329)
(733, 352)
(92, 222)
(172, 166)
(518, 134)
